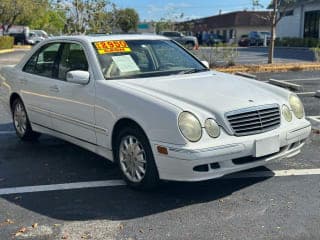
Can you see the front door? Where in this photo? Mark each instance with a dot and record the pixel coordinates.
(73, 109)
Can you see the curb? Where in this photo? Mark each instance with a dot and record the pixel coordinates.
(280, 67)
(283, 83)
(6, 51)
(317, 94)
(315, 123)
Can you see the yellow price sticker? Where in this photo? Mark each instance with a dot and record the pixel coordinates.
(112, 47)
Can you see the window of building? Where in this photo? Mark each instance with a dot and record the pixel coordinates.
(311, 24)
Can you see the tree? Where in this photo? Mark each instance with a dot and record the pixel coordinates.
(86, 15)
(18, 12)
(127, 19)
(279, 8)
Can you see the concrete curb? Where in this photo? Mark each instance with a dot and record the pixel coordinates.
(315, 123)
(317, 94)
(6, 51)
(282, 83)
(303, 66)
(247, 75)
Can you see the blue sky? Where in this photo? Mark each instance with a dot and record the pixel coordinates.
(154, 10)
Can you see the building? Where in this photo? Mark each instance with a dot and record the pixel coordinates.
(302, 20)
(231, 25)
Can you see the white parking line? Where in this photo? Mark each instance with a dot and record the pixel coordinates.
(7, 132)
(116, 183)
(303, 79)
(63, 186)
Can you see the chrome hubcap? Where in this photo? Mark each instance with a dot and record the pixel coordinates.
(132, 158)
(20, 119)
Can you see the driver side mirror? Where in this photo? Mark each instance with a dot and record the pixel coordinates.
(78, 77)
(205, 63)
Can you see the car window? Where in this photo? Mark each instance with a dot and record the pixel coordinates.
(72, 58)
(144, 58)
(42, 62)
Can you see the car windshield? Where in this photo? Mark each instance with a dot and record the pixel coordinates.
(144, 58)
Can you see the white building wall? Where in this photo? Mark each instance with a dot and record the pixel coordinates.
(293, 26)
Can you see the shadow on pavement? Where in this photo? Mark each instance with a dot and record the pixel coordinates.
(122, 203)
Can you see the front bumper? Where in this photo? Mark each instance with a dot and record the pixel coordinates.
(236, 154)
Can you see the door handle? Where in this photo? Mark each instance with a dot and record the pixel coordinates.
(54, 88)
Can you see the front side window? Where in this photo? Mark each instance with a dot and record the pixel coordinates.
(72, 58)
(43, 62)
(145, 58)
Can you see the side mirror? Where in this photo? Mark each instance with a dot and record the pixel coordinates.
(78, 77)
(206, 64)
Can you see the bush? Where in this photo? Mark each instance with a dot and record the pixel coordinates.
(220, 55)
(317, 53)
(297, 42)
(6, 42)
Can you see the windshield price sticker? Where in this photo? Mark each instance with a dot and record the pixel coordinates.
(112, 47)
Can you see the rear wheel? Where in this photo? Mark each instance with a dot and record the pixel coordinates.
(21, 122)
(135, 158)
(189, 45)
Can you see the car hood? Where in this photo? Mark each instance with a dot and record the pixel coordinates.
(211, 93)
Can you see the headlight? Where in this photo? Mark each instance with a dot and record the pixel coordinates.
(190, 126)
(212, 128)
(286, 113)
(296, 106)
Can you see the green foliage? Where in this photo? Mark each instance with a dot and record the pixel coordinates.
(297, 42)
(127, 19)
(163, 25)
(6, 42)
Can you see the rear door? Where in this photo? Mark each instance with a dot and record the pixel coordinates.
(36, 84)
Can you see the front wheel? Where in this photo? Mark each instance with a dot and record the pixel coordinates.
(21, 122)
(135, 158)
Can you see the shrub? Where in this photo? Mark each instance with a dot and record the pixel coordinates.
(220, 55)
(6, 42)
(297, 42)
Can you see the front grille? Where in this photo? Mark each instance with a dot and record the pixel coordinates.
(254, 120)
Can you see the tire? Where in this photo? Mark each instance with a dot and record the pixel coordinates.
(21, 122)
(133, 154)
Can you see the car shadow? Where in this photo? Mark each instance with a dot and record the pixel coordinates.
(52, 161)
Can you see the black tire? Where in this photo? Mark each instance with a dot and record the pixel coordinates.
(190, 45)
(28, 134)
(151, 176)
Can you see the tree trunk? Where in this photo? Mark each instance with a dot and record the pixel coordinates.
(273, 32)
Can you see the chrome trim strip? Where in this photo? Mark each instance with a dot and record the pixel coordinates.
(70, 120)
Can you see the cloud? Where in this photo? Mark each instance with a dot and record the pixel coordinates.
(168, 11)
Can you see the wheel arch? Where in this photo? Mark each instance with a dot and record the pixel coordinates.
(120, 124)
(13, 97)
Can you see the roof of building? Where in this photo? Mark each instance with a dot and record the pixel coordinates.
(236, 19)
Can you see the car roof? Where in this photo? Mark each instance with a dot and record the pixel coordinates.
(99, 38)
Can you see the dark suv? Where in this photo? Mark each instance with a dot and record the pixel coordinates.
(189, 42)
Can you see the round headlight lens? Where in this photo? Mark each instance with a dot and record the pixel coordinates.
(190, 126)
(296, 106)
(286, 113)
(212, 128)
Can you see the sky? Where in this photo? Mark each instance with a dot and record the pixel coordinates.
(170, 9)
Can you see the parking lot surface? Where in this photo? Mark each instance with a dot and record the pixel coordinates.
(278, 201)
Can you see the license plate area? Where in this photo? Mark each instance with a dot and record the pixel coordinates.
(267, 146)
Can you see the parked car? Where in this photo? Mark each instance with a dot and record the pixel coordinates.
(215, 39)
(147, 104)
(36, 36)
(244, 41)
(189, 42)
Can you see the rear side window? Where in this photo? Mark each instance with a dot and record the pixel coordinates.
(43, 62)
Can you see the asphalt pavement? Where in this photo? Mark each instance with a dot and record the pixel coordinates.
(278, 201)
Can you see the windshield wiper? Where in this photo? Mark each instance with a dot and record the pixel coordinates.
(193, 70)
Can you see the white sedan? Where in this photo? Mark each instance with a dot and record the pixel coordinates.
(147, 104)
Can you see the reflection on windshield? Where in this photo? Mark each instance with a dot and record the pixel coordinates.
(144, 58)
